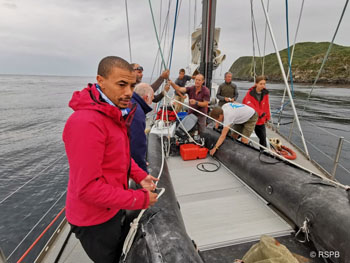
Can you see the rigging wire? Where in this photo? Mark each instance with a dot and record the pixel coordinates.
(155, 31)
(263, 59)
(127, 23)
(252, 25)
(292, 56)
(163, 36)
(19, 188)
(326, 56)
(20, 243)
(288, 50)
(174, 30)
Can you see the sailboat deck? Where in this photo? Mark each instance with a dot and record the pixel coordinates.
(220, 210)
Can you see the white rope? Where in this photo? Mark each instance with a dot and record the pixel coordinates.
(20, 243)
(183, 127)
(127, 23)
(133, 229)
(135, 223)
(346, 187)
(19, 188)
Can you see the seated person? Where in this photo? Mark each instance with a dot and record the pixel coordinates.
(181, 82)
(199, 97)
(240, 116)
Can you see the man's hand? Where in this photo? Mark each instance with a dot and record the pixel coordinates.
(232, 100)
(192, 101)
(153, 198)
(227, 99)
(167, 87)
(165, 74)
(148, 182)
(212, 151)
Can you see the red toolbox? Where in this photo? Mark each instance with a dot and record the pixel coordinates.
(192, 152)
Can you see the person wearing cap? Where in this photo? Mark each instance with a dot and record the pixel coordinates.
(139, 75)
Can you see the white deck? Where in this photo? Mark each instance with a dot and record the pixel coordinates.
(218, 209)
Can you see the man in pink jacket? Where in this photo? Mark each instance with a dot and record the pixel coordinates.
(98, 151)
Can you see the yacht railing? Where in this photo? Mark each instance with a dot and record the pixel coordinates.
(335, 160)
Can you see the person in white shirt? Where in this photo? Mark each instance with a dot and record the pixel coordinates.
(240, 117)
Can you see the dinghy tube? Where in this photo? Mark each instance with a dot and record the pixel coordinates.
(293, 191)
(161, 236)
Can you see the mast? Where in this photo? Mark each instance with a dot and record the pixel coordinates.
(208, 28)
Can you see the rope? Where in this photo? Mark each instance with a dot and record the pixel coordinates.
(288, 51)
(263, 60)
(19, 188)
(20, 243)
(319, 150)
(164, 33)
(135, 223)
(326, 56)
(265, 148)
(41, 235)
(253, 59)
(155, 31)
(127, 23)
(283, 105)
(201, 167)
(174, 30)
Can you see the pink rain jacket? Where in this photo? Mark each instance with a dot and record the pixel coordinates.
(97, 147)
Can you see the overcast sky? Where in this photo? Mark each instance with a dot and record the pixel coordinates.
(69, 37)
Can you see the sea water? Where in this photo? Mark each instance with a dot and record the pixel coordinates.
(34, 168)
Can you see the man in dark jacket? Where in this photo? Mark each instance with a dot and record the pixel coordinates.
(227, 91)
(142, 96)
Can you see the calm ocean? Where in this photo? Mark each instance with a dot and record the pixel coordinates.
(33, 114)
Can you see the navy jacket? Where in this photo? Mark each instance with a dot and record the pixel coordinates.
(138, 139)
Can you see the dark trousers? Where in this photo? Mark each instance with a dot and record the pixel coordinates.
(260, 131)
(104, 242)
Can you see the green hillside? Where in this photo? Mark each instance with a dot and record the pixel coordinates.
(308, 57)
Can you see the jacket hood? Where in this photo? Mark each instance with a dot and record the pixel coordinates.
(89, 99)
(140, 101)
(252, 92)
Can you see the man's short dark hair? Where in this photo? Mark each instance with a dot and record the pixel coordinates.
(182, 70)
(228, 73)
(106, 64)
(216, 112)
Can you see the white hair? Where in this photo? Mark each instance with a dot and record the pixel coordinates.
(144, 89)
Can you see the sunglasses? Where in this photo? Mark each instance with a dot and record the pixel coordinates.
(139, 68)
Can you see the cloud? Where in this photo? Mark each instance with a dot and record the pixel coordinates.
(84, 31)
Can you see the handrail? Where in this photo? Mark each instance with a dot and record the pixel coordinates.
(20, 243)
(19, 188)
(336, 160)
(41, 235)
